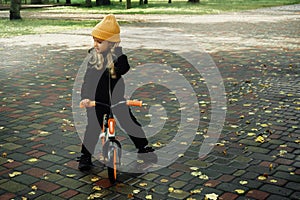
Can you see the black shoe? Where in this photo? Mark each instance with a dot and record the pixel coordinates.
(147, 154)
(85, 162)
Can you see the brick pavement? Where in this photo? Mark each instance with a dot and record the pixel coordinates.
(259, 63)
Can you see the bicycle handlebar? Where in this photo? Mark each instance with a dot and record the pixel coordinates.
(128, 103)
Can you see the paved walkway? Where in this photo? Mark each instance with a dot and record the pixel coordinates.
(257, 154)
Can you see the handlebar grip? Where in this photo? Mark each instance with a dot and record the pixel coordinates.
(134, 103)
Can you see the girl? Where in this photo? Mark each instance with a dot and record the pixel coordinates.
(103, 83)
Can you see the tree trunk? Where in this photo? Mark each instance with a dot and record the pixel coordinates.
(194, 1)
(68, 2)
(128, 4)
(141, 2)
(170, 1)
(88, 3)
(102, 2)
(15, 7)
(36, 1)
(145, 1)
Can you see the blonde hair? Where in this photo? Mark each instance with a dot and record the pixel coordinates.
(97, 60)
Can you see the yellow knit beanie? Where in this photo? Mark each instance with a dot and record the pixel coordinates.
(108, 29)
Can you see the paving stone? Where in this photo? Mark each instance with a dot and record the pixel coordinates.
(49, 196)
(186, 177)
(161, 189)
(7, 196)
(70, 183)
(197, 163)
(59, 191)
(293, 186)
(25, 179)
(179, 195)
(36, 172)
(295, 195)
(68, 194)
(276, 190)
(46, 186)
(223, 168)
(145, 185)
(256, 194)
(229, 187)
(52, 158)
(258, 150)
(13, 187)
(178, 184)
(228, 196)
(277, 197)
(287, 176)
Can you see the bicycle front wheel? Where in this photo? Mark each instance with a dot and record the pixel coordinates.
(113, 162)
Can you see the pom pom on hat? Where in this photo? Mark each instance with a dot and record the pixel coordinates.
(108, 29)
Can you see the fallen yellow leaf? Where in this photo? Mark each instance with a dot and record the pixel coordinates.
(194, 168)
(4, 155)
(271, 167)
(196, 173)
(264, 125)
(34, 187)
(251, 134)
(94, 179)
(196, 191)
(31, 193)
(136, 191)
(260, 139)
(164, 180)
(178, 191)
(98, 188)
(14, 174)
(149, 196)
(261, 178)
(243, 182)
(143, 184)
(157, 144)
(203, 177)
(32, 160)
(239, 191)
(211, 196)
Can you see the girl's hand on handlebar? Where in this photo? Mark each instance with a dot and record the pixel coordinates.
(85, 103)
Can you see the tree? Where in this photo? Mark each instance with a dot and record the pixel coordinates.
(194, 1)
(128, 4)
(102, 2)
(15, 7)
(36, 1)
(88, 3)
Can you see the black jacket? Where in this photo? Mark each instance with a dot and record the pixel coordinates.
(96, 82)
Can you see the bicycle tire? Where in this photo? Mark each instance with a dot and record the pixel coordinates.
(113, 162)
(112, 171)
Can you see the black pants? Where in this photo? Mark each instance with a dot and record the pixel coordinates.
(126, 119)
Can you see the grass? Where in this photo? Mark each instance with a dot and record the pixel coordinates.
(176, 7)
(36, 26)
